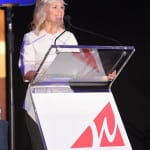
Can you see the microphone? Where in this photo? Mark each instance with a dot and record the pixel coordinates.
(47, 53)
(67, 19)
(55, 42)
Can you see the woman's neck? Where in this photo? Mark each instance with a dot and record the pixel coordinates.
(52, 29)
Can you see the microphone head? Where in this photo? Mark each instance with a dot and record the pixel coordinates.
(67, 20)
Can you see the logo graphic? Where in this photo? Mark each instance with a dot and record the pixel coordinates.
(102, 132)
(88, 58)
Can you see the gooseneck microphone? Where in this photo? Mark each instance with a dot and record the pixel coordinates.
(55, 42)
(47, 53)
(67, 19)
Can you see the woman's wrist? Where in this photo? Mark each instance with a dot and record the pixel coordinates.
(29, 75)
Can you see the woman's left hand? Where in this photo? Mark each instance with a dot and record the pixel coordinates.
(112, 75)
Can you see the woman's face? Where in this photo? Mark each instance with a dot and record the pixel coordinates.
(55, 12)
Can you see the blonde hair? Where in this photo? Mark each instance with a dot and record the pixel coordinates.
(39, 14)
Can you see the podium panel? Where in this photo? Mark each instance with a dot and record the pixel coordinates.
(70, 118)
(88, 121)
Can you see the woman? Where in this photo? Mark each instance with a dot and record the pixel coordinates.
(47, 25)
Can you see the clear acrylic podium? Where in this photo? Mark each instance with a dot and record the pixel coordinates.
(71, 101)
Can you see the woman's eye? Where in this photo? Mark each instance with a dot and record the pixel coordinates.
(55, 7)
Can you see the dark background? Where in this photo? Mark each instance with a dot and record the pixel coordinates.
(125, 21)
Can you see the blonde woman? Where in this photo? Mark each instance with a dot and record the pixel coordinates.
(47, 25)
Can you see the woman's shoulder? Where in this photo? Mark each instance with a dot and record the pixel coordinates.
(31, 36)
(66, 32)
(69, 32)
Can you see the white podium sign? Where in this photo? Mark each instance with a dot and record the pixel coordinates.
(76, 121)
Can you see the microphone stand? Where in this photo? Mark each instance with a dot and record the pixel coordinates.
(10, 47)
(46, 55)
(68, 21)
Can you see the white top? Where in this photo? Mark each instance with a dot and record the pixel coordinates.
(34, 48)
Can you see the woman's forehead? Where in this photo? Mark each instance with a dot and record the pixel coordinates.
(54, 1)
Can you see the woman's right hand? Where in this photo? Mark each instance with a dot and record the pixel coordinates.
(29, 75)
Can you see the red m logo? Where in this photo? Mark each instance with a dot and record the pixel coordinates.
(103, 131)
(87, 58)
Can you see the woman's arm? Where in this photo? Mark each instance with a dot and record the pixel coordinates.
(29, 75)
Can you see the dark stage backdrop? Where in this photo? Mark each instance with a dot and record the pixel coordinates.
(124, 21)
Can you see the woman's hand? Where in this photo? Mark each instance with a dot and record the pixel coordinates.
(29, 75)
(112, 75)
